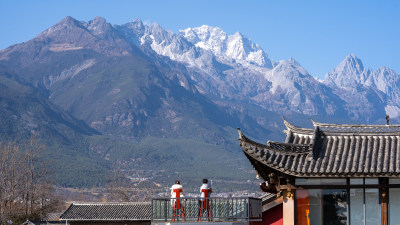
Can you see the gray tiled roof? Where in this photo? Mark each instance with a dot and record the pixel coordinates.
(52, 217)
(108, 211)
(28, 222)
(329, 150)
(268, 197)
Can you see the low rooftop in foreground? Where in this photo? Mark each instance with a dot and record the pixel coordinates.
(124, 211)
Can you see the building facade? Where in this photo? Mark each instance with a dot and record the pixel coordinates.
(332, 174)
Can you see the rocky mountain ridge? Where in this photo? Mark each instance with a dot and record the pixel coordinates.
(141, 84)
(233, 67)
(144, 109)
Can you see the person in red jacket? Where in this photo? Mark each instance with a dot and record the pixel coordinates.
(205, 187)
(176, 201)
(176, 186)
(204, 203)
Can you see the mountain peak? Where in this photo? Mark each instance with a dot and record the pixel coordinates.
(99, 26)
(238, 34)
(351, 56)
(156, 26)
(138, 23)
(292, 60)
(236, 47)
(351, 64)
(65, 24)
(207, 28)
(99, 19)
(348, 73)
(68, 20)
(157, 29)
(206, 32)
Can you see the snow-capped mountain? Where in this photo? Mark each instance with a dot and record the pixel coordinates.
(198, 46)
(135, 81)
(387, 81)
(232, 67)
(349, 73)
(302, 93)
(235, 47)
(370, 90)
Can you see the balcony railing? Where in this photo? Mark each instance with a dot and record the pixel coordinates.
(217, 209)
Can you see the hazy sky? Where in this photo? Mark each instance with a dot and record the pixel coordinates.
(318, 34)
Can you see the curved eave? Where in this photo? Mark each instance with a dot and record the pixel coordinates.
(266, 160)
(257, 152)
(264, 167)
(296, 129)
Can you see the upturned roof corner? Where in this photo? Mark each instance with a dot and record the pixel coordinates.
(329, 150)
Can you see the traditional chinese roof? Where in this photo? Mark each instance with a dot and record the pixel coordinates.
(28, 222)
(49, 219)
(108, 211)
(328, 150)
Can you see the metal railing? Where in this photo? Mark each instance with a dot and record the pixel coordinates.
(220, 209)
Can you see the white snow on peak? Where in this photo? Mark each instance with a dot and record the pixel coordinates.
(384, 79)
(348, 73)
(227, 48)
(285, 74)
(232, 66)
(351, 72)
(206, 37)
(350, 64)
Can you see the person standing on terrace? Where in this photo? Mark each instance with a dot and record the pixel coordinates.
(205, 191)
(176, 195)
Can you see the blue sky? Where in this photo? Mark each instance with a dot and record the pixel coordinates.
(318, 34)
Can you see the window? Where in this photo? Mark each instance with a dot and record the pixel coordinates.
(332, 206)
(321, 206)
(357, 206)
(394, 206)
(372, 206)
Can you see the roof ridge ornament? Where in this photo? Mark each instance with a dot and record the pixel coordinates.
(296, 129)
(240, 133)
(288, 125)
(313, 122)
